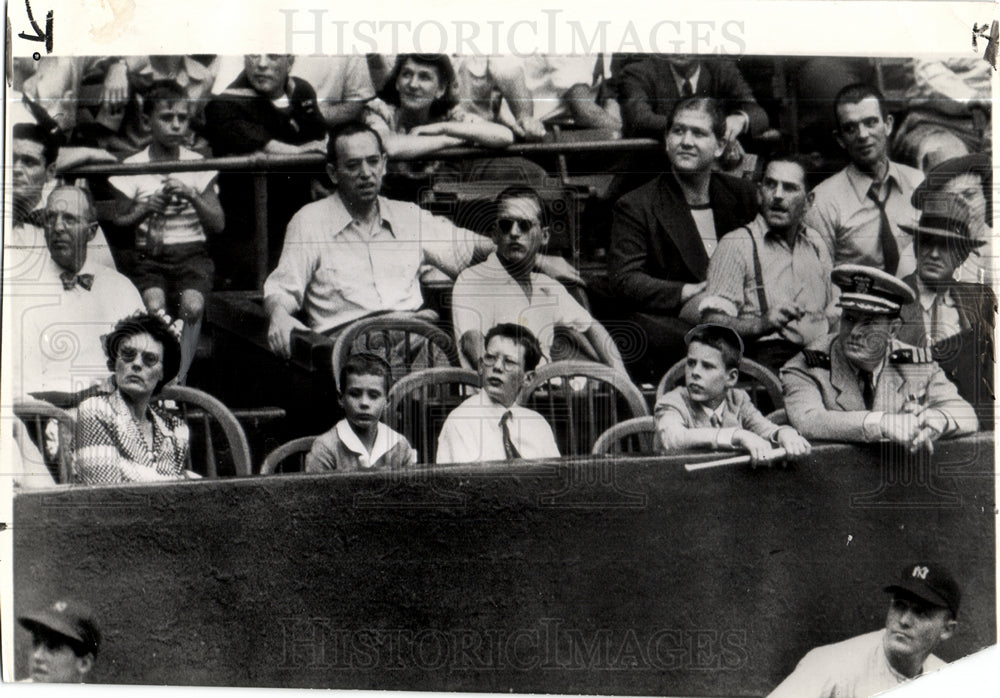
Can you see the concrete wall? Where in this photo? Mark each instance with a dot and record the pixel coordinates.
(626, 576)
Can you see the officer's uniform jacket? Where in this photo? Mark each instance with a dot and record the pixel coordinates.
(823, 395)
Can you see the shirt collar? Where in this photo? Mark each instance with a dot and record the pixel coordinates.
(680, 79)
(89, 267)
(762, 225)
(353, 444)
(718, 411)
(926, 295)
(862, 182)
(340, 217)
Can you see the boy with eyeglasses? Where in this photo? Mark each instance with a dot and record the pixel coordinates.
(507, 288)
(489, 426)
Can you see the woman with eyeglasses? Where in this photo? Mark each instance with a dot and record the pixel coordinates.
(120, 436)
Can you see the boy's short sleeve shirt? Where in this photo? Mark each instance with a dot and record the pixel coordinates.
(180, 223)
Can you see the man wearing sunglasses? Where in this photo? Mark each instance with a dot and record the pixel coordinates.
(489, 426)
(59, 315)
(356, 253)
(506, 287)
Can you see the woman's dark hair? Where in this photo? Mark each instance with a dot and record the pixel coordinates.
(446, 74)
(155, 327)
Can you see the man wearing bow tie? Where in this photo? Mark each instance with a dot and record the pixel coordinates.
(57, 319)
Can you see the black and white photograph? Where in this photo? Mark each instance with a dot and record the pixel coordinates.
(599, 350)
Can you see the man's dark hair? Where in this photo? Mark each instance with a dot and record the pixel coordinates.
(802, 161)
(523, 191)
(37, 134)
(349, 129)
(725, 339)
(521, 336)
(162, 91)
(854, 93)
(446, 75)
(155, 327)
(365, 364)
(707, 105)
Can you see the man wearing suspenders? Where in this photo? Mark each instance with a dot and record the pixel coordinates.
(770, 279)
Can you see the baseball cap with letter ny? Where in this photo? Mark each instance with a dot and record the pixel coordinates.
(931, 582)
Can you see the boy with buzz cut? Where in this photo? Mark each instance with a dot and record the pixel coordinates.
(361, 441)
(171, 212)
(710, 412)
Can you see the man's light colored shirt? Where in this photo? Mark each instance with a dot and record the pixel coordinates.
(338, 270)
(486, 295)
(472, 433)
(848, 220)
(948, 322)
(797, 274)
(855, 668)
(55, 334)
(25, 252)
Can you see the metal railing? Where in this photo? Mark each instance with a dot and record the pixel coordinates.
(260, 165)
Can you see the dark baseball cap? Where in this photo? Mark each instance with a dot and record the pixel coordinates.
(930, 582)
(72, 620)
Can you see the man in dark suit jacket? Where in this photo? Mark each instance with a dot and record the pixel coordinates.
(955, 320)
(650, 89)
(664, 233)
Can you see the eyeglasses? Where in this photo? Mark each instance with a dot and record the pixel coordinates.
(51, 218)
(491, 360)
(506, 225)
(128, 355)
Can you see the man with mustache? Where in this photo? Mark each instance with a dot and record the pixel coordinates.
(770, 279)
(922, 614)
(861, 385)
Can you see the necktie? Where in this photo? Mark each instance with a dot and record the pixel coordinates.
(688, 89)
(935, 335)
(867, 389)
(69, 280)
(509, 450)
(890, 250)
(715, 421)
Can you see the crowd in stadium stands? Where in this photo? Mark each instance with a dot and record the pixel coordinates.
(845, 250)
(787, 219)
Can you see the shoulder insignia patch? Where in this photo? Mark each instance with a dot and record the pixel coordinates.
(816, 359)
(911, 355)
